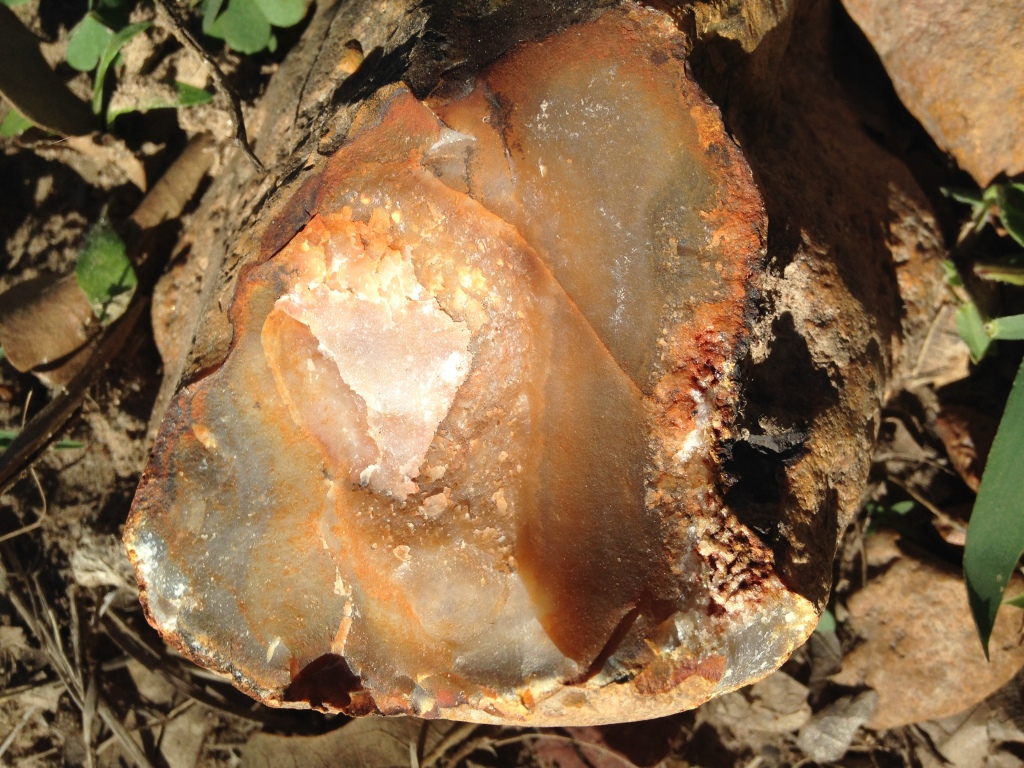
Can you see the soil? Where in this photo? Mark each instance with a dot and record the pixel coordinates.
(84, 680)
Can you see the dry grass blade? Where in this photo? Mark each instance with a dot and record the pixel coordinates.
(29, 713)
(47, 633)
(523, 737)
(13, 693)
(456, 736)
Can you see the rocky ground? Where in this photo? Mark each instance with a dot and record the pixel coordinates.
(894, 675)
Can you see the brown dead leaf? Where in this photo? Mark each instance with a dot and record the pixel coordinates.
(967, 434)
(777, 704)
(829, 734)
(102, 159)
(366, 743)
(920, 649)
(944, 356)
(43, 322)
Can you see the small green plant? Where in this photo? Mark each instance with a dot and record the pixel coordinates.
(7, 437)
(995, 536)
(14, 124)
(105, 273)
(886, 515)
(94, 46)
(826, 622)
(247, 25)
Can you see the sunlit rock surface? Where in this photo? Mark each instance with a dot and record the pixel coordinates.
(463, 457)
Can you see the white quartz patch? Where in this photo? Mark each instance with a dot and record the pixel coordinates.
(395, 348)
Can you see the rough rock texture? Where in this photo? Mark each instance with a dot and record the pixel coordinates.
(853, 281)
(959, 68)
(719, 566)
(920, 649)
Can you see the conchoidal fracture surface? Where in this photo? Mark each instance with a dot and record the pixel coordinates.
(462, 459)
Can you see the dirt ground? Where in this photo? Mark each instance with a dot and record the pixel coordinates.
(894, 676)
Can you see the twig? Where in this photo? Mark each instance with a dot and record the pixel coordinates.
(939, 515)
(17, 729)
(186, 38)
(455, 736)
(519, 738)
(49, 639)
(49, 421)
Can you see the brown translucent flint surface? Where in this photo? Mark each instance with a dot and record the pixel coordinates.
(462, 458)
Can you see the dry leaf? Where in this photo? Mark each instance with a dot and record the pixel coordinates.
(369, 743)
(43, 320)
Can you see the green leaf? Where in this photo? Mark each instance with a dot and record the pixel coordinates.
(1010, 327)
(13, 3)
(7, 437)
(1010, 271)
(963, 195)
(952, 274)
(105, 273)
(902, 507)
(242, 26)
(995, 535)
(190, 95)
(116, 42)
(187, 96)
(972, 329)
(210, 10)
(14, 124)
(1011, 209)
(87, 41)
(826, 622)
(282, 13)
(1016, 602)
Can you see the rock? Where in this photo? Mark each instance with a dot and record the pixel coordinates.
(829, 734)
(840, 311)
(921, 651)
(959, 69)
(462, 460)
